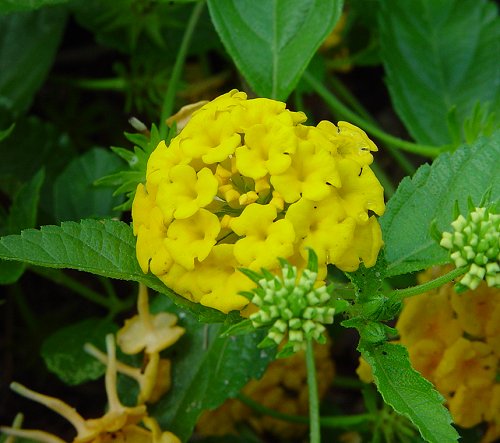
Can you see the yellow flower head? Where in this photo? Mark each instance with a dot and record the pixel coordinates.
(250, 175)
(453, 340)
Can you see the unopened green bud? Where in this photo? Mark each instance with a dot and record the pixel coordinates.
(291, 307)
(475, 244)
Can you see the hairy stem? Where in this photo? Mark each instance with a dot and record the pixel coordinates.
(338, 106)
(314, 427)
(337, 421)
(168, 102)
(433, 284)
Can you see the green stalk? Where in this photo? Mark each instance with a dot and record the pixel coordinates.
(314, 428)
(348, 383)
(353, 102)
(400, 294)
(111, 84)
(168, 102)
(338, 106)
(59, 277)
(337, 421)
(345, 421)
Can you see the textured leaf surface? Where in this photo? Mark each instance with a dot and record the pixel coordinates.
(408, 392)
(64, 355)
(28, 43)
(22, 214)
(104, 248)
(76, 196)
(272, 41)
(431, 194)
(439, 56)
(207, 369)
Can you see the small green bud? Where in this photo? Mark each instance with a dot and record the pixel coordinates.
(475, 244)
(291, 307)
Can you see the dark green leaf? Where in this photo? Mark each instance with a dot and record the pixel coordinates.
(105, 247)
(154, 27)
(76, 197)
(207, 369)
(22, 215)
(28, 43)
(64, 355)
(431, 194)
(440, 57)
(26, 5)
(32, 145)
(6, 132)
(408, 392)
(272, 41)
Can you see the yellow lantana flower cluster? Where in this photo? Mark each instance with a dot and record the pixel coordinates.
(283, 388)
(454, 341)
(245, 182)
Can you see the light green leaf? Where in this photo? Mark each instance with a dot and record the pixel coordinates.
(22, 215)
(408, 392)
(102, 247)
(439, 57)
(431, 195)
(64, 355)
(272, 41)
(28, 44)
(207, 369)
(76, 197)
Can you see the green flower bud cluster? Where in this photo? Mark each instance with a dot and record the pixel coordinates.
(290, 306)
(475, 242)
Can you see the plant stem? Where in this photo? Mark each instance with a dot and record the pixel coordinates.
(59, 277)
(436, 283)
(337, 421)
(168, 102)
(111, 84)
(314, 428)
(352, 101)
(338, 106)
(347, 382)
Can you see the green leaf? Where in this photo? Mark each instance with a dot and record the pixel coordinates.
(76, 197)
(28, 44)
(102, 247)
(433, 65)
(368, 281)
(127, 179)
(408, 392)
(33, 144)
(431, 195)
(243, 327)
(7, 6)
(6, 132)
(64, 355)
(207, 369)
(22, 215)
(272, 41)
